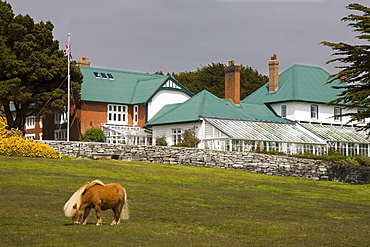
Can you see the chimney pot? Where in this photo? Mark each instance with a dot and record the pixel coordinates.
(84, 61)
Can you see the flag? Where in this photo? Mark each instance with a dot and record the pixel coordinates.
(67, 50)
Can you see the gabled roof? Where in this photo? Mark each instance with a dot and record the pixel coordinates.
(299, 83)
(205, 104)
(122, 87)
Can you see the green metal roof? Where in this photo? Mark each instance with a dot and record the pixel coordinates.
(122, 87)
(299, 83)
(205, 104)
(261, 112)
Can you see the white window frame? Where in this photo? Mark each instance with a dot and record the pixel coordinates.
(60, 117)
(314, 111)
(337, 111)
(136, 115)
(40, 122)
(176, 136)
(283, 111)
(60, 135)
(30, 122)
(117, 114)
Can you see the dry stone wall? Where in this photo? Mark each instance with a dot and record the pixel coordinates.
(252, 162)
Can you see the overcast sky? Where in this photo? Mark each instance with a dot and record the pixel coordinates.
(182, 35)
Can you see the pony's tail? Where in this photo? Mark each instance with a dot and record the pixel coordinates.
(125, 215)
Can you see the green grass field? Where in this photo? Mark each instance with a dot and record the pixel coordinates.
(179, 206)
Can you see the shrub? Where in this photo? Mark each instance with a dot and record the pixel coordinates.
(161, 141)
(93, 135)
(13, 144)
(189, 139)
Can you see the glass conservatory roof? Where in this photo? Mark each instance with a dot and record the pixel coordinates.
(338, 133)
(264, 131)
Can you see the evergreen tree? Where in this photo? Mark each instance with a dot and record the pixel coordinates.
(354, 65)
(212, 78)
(33, 70)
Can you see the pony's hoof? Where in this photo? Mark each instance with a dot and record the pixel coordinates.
(77, 223)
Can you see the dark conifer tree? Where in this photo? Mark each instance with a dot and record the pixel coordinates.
(354, 65)
(33, 70)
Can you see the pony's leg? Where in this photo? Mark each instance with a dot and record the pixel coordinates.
(117, 212)
(98, 215)
(84, 219)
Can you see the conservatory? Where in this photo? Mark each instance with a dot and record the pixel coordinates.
(251, 135)
(287, 137)
(347, 140)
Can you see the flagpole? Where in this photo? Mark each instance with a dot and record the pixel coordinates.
(69, 86)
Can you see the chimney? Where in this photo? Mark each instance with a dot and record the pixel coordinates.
(232, 82)
(84, 61)
(273, 74)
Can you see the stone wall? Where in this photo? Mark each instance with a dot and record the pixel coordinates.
(252, 162)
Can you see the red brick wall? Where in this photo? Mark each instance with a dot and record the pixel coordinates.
(92, 115)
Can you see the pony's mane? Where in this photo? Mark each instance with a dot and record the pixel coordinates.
(74, 202)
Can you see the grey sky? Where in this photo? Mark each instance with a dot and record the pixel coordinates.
(181, 35)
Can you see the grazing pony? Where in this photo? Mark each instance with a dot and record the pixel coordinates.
(99, 196)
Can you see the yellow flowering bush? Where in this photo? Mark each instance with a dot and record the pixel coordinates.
(13, 144)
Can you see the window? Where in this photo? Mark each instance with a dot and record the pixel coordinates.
(314, 111)
(363, 119)
(283, 111)
(60, 135)
(117, 114)
(110, 76)
(136, 113)
(337, 114)
(60, 117)
(176, 136)
(104, 75)
(30, 122)
(97, 75)
(30, 136)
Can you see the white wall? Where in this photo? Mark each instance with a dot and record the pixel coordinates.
(301, 111)
(166, 130)
(163, 98)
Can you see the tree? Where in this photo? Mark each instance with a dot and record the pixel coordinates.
(212, 78)
(33, 70)
(354, 65)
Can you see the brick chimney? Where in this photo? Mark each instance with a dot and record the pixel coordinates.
(84, 61)
(273, 74)
(232, 82)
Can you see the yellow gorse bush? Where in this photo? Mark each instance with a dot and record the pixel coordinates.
(13, 144)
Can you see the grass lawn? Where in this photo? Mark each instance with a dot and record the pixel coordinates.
(174, 205)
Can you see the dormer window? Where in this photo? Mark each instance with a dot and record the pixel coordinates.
(97, 75)
(103, 75)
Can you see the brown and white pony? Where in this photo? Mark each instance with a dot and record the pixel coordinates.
(99, 196)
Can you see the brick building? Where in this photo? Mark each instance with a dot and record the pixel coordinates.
(118, 102)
